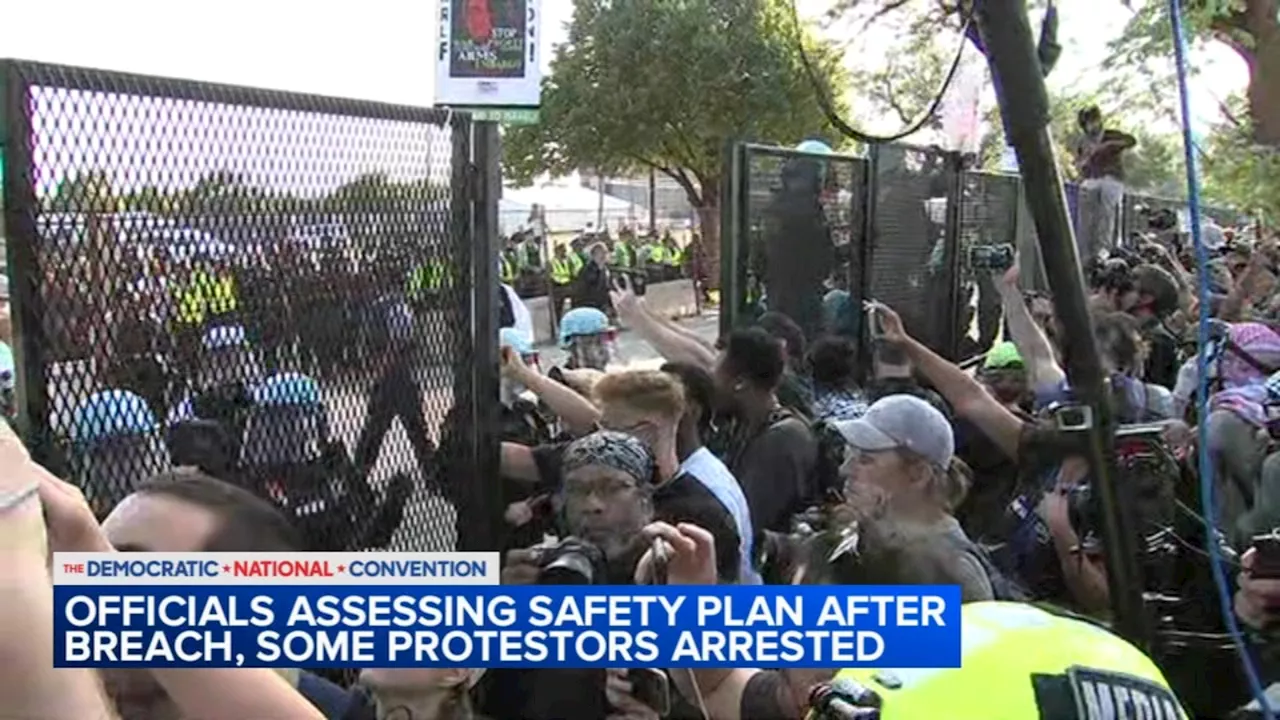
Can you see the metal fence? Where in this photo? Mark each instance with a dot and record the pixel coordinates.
(909, 217)
(258, 284)
(795, 222)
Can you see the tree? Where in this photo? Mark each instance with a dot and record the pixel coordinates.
(665, 84)
(1251, 28)
(1235, 173)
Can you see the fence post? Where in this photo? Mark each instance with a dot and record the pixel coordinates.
(484, 190)
(732, 236)
(949, 338)
(21, 208)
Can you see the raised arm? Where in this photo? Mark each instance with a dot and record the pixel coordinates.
(672, 343)
(966, 395)
(1026, 334)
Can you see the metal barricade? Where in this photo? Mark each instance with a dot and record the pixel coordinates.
(990, 213)
(794, 226)
(914, 240)
(195, 257)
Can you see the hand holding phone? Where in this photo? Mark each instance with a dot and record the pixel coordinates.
(875, 320)
(1266, 558)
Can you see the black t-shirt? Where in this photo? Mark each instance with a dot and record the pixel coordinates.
(682, 499)
(995, 481)
(775, 467)
(1162, 357)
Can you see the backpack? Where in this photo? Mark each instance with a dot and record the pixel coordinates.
(826, 484)
(1002, 586)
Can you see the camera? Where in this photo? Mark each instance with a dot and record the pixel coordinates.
(572, 562)
(1070, 417)
(995, 258)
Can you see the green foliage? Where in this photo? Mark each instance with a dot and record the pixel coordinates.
(1237, 173)
(665, 84)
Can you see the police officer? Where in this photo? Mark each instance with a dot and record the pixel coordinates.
(624, 253)
(564, 270)
(588, 336)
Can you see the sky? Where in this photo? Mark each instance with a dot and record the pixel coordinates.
(383, 49)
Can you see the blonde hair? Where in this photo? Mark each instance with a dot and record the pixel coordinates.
(950, 485)
(647, 391)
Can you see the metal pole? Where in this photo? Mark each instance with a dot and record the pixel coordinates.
(653, 201)
(20, 207)
(1011, 52)
(485, 184)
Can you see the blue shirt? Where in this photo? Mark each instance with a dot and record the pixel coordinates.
(715, 476)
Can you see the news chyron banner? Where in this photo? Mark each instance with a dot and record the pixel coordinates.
(349, 610)
(488, 54)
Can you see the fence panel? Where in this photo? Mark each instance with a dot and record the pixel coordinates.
(799, 232)
(989, 215)
(254, 282)
(912, 240)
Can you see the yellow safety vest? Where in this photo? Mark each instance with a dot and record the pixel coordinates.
(674, 256)
(191, 306)
(623, 255)
(562, 270)
(428, 279)
(508, 270)
(222, 296)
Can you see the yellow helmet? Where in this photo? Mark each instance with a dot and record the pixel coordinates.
(1017, 662)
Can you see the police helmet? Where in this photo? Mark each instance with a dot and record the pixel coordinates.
(288, 389)
(1020, 660)
(582, 321)
(111, 413)
(516, 340)
(814, 147)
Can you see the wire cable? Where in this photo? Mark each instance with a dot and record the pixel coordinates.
(828, 108)
(1203, 340)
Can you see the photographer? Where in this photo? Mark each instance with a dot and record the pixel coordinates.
(606, 499)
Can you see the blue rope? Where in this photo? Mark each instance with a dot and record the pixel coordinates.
(1202, 367)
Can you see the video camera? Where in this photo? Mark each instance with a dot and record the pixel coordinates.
(571, 561)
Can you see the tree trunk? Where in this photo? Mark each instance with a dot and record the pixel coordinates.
(709, 222)
(1264, 89)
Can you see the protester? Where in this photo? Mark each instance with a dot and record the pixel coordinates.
(771, 451)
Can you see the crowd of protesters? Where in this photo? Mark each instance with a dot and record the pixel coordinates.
(766, 457)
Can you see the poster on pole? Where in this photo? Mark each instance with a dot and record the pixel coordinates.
(488, 54)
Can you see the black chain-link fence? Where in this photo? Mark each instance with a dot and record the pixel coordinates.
(915, 216)
(255, 283)
(913, 254)
(800, 219)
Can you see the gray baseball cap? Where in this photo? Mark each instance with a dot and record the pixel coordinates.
(902, 422)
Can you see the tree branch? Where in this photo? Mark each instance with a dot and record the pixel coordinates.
(884, 10)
